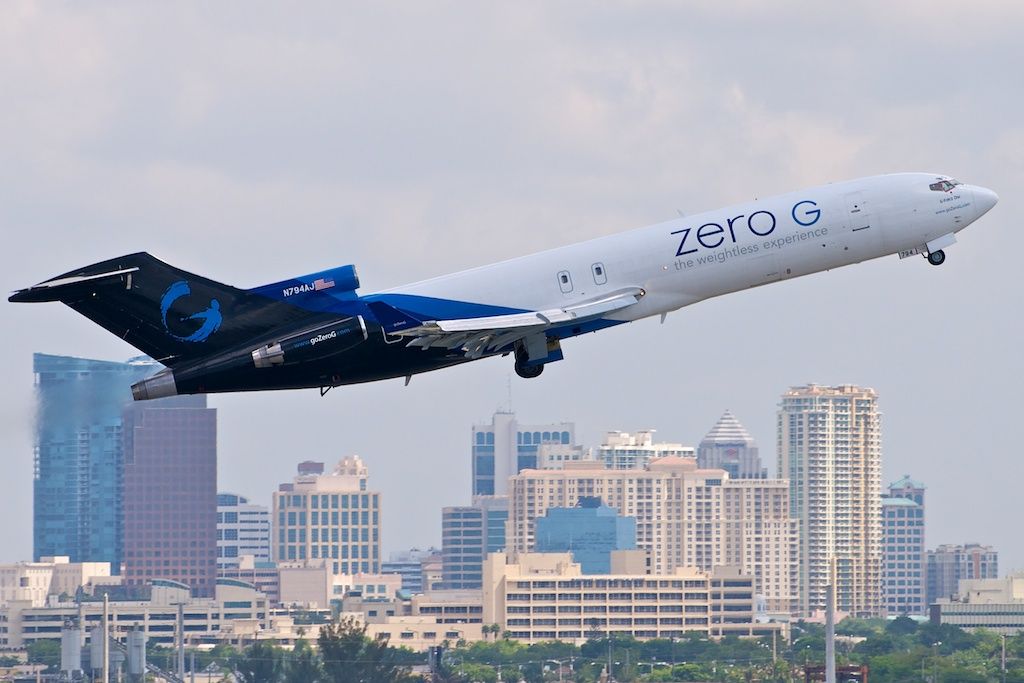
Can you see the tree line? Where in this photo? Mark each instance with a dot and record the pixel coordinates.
(895, 651)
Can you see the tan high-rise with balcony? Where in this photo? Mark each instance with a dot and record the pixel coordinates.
(685, 517)
(829, 445)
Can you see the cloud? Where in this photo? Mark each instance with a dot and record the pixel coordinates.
(253, 142)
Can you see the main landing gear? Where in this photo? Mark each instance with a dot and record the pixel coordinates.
(523, 370)
(936, 258)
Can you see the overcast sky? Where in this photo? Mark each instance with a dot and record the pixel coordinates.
(250, 144)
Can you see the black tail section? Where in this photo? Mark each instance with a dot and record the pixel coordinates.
(167, 313)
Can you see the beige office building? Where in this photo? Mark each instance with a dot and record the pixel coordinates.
(545, 596)
(686, 517)
(995, 605)
(829, 445)
(328, 517)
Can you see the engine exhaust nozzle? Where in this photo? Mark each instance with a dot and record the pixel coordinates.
(160, 385)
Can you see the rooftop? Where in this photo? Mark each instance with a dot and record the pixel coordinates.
(906, 483)
(728, 430)
(898, 502)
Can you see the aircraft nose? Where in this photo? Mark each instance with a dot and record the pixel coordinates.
(984, 199)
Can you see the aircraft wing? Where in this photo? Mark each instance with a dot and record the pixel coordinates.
(478, 336)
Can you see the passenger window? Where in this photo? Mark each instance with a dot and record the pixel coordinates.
(564, 281)
(598, 271)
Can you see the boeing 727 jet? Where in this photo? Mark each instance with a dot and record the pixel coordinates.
(315, 331)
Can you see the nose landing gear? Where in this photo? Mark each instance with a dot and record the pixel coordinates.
(936, 258)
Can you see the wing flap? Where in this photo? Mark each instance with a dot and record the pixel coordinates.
(494, 322)
(478, 336)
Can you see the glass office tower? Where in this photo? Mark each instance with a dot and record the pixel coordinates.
(79, 456)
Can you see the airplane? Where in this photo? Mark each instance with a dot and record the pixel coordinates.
(315, 331)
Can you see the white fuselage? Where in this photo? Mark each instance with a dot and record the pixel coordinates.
(692, 258)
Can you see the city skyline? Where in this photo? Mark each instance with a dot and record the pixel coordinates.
(825, 505)
(508, 416)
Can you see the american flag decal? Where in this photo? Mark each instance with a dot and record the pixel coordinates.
(321, 283)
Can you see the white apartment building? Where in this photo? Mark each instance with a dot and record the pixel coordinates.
(506, 446)
(829, 445)
(34, 582)
(552, 456)
(686, 517)
(243, 528)
(237, 605)
(626, 451)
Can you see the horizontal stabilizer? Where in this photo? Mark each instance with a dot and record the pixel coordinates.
(61, 287)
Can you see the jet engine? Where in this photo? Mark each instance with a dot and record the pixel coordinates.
(312, 343)
(247, 368)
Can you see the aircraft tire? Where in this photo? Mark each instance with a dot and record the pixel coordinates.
(937, 258)
(528, 372)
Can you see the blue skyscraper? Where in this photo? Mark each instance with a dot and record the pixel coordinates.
(77, 506)
(504, 447)
(590, 531)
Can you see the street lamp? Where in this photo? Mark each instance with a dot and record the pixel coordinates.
(1002, 659)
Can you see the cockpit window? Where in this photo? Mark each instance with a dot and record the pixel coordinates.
(944, 185)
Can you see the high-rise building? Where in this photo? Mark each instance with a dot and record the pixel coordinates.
(728, 446)
(948, 565)
(590, 531)
(685, 517)
(625, 451)
(409, 565)
(504, 447)
(903, 555)
(77, 506)
(170, 493)
(468, 534)
(908, 488)
(243, 528)
(329, 517)
(829, 445)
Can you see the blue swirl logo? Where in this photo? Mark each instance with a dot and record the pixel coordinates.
(210, 319)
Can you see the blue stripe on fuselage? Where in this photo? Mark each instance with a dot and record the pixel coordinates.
(422, 307)
(429, 308)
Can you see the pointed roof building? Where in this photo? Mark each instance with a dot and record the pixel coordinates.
(729, 446)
